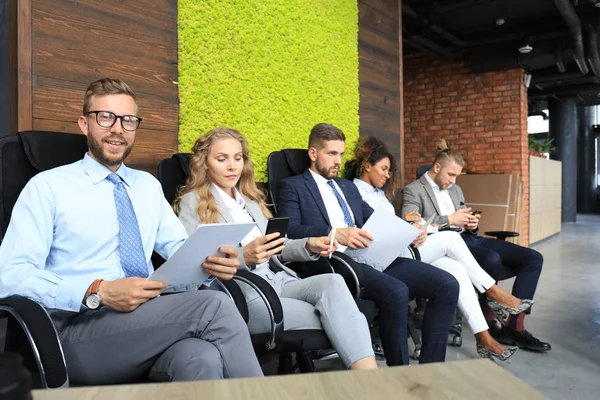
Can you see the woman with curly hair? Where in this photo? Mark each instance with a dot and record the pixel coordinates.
(221, 188)
(375, 169)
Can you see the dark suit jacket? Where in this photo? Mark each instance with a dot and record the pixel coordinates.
(301, 201)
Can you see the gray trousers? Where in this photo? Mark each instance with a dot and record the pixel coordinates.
(318, 302)
(178, 337)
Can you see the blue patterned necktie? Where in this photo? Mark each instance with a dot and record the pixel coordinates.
(347, 216)
(131, 251)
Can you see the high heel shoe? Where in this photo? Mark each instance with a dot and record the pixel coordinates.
(505, 355)
(525, 304)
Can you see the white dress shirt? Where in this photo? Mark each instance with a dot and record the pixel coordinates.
(443, 198)
(444, 201)
(237, 209)
(334, 210)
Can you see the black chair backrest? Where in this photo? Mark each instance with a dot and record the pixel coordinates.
(422, 169)
(350, 170)
(172, 174)
(283, 164)
(26, 154)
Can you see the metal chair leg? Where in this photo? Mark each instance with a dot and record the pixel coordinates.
(305, 362)
(414, 335)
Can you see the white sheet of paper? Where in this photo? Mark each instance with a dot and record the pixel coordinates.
(184, 267)
(392, 235)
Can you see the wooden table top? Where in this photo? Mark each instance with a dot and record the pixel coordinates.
(472, 379)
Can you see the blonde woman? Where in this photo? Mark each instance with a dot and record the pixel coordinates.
(374, 168)
(221, 188)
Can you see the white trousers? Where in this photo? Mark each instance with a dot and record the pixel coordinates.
(448, 251)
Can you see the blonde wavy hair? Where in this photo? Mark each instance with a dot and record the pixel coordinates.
(199, 181)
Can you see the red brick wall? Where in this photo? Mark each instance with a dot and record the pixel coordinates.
(484, 116)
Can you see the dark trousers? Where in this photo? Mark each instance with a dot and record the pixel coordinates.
(392, 289)
(503, 260)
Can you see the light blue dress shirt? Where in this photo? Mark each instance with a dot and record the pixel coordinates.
(373, 196)
(64, 232)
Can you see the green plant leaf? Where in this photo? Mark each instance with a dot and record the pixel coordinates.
(271, 70)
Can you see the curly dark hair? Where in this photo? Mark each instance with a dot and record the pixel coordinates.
(372, 150)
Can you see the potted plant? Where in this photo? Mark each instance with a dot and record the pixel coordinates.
(539, 148)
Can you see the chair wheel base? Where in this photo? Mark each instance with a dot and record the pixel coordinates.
(416, 354)
(457, 341)
(377, 349)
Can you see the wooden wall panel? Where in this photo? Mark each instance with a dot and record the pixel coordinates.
(75, 42)
(4, 68)
(545, 207)
(379, 72)
(20, 65)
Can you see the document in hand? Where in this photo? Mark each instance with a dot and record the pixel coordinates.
(184, 267)
(392, 235)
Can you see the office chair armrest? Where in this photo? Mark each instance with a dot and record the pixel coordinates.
(268, 295)
(304, 269)
(35, 325)
(351, 272)
(415, 253)
(502, 235)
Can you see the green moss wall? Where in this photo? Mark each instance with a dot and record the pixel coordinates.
(271, 69)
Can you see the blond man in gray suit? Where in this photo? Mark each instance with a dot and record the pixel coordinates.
(436, 193)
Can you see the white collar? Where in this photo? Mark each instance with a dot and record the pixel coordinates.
(229, 201)
(362, 184)
(319, 178)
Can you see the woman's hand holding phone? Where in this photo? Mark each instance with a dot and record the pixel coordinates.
(262, 248)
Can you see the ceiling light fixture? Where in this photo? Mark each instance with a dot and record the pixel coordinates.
(525, 49)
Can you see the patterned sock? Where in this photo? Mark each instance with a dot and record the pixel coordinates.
(516, 322)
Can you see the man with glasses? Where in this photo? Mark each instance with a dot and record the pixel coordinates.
(79, 243)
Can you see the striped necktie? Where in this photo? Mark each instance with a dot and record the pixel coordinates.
(347, 216)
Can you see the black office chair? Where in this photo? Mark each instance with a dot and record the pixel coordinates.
(172, 173)
(30, 331)
(289, 162)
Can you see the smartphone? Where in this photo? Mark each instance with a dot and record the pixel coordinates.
(477, 212)
(278, 224)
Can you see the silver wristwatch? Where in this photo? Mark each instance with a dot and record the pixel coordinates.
(93, 300)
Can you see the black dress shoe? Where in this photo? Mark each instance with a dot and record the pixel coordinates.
(524, 339)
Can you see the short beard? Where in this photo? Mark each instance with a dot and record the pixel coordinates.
(96, 150)
(437, 181)
(324, 172)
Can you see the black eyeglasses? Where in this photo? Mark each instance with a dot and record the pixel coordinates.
(107, 119)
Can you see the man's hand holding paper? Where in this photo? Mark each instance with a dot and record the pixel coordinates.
(390, 236)
(197, 260)
(354, 238)
(223, 267)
